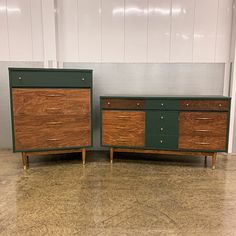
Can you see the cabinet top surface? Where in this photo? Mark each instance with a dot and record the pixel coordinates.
(213, 97)
(48, 69)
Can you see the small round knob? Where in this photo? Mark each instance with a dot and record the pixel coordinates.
(220, 105)
(187, 104)
(108, 103)
(138, 103)
(162, 104)
(83, 79)
(20, 78)
(161, 141)
(162, 129)
(162, 117)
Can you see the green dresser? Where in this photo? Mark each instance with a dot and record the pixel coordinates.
(165, 124)
(51, 111)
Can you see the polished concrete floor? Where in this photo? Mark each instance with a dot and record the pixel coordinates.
(137, 195)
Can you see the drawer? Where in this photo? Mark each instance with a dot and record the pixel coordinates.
(162, 122)
(40, 132)
(50, 78)
(203, 123)
(162, 141)
(211, 105)
(162, 104)
(117, 103)
(203, 143)
(123, 128)
(51, 101)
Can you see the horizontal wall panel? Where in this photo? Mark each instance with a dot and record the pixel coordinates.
(205, 30)
(223, 37)
(112, 30)
(159, 22)
(182, 30)
(89, 18)
(20, 36)
(4, 46)
(136, 30)
(68, 30)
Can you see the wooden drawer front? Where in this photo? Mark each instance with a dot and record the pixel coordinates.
(202, 143)
(162, 104)
(203, 123)
(116, 103)
(123, 128)
(40, 132)
(211, 105)
(49, 78)
(51, 101)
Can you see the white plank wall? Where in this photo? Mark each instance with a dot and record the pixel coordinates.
(145, 31)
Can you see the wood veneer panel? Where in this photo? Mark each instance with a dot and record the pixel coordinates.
(50, 101)
(116, 103)
(123, 128)
(212, 105)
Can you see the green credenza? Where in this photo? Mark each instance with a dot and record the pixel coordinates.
(171, 125)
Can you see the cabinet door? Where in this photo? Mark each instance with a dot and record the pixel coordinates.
(123, 128)
(203, 130)
(162, 129)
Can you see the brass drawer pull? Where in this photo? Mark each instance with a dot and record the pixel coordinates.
(53, 108)
(162, 129)
(162, 117)
(202, 143)
(162, 104)
(54, 123)
(204, 118)
(123, 117)
(161, 141)
(55, 95)
(202, 130)
(220, 105)
(138, 103)
(53, 139)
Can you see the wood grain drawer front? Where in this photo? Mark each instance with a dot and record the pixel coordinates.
(202, 143)
(123, 128)
(116, 103)
(32, 132)
(203, 123)
(211, 105)
(51, 101)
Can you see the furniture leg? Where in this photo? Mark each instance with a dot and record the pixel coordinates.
(205, 160)
(111, 155)
(25, 160)
(83, 155)
(214, 161)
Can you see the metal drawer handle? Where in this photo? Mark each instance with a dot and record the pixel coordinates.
(55, 95)
(204, 118)
(161, 141)
(53, 109)
(138, 103)
(202, 143)
(20, 78)
(108, 103)
(162, 129)
(83, 79)
(203, 130)
(162, 117)
(54, 123)
(123, 117)
(187, 104)
(53, 139)
(220, 105)
(162, 104)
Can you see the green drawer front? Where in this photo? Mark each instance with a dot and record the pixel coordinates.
(162, 122)
(162, 142)
(50, 79)
(162, 104)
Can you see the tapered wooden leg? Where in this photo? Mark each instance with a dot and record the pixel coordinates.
(83, 155)
(111, 155)
(205, 160)
(214, 161)
(25, 160)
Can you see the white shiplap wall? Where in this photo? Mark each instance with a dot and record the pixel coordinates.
(148, 31)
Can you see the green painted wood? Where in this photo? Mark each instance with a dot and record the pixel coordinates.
(50, 78)
(162, 104)
(162, 126)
